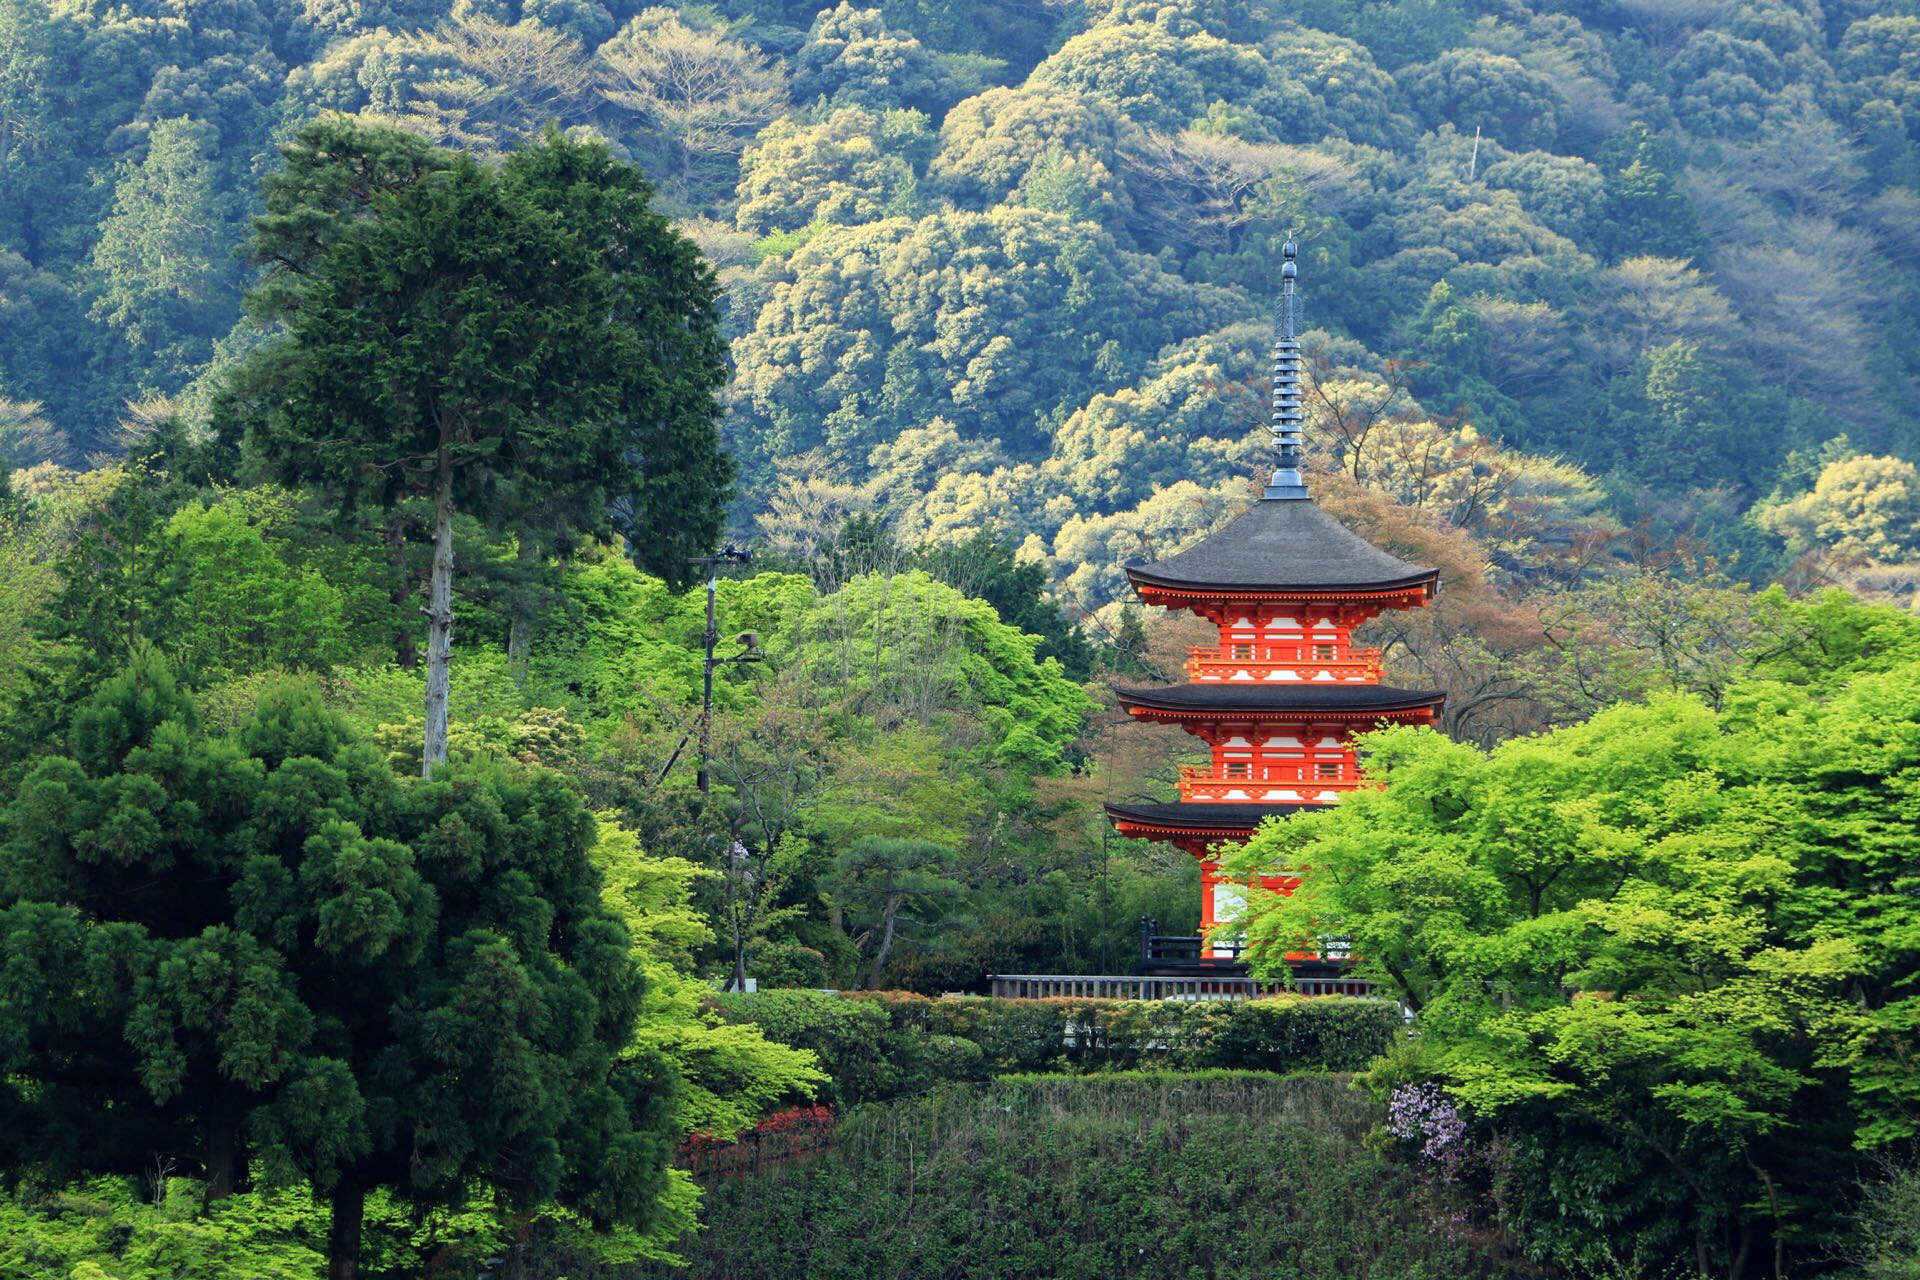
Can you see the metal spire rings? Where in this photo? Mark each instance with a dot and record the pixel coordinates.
(1287, 415)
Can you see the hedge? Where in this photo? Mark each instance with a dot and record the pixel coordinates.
(884, 1044)
(1116, 1176)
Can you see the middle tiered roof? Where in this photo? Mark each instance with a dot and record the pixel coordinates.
(1278, 697)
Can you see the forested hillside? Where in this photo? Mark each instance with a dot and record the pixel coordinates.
(1006, 265)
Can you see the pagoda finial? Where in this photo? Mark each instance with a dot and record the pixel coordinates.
(1287, 417)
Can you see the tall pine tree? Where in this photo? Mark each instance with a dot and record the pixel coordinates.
(531, 346)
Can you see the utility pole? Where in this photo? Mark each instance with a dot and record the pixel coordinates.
(747, 640)
(1473, 163)
(728, 554)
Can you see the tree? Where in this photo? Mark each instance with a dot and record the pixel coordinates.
(452, 339)
(1682, 421)
(1859, 507)
(1359, 99)
(889, 881)
(1472, 88)
(1648, 302)
(1564, 192)
(854, 166)
(1199, 189)
(1660, 947)
(773, 763)
(163, 259)
(311, 968)
(232, 605)
(1011, 315)
(730, 1073)
(29, 122)
(109, 574)
(26, 436)
(904, 648)
(987, 567)
(495, 84)
(703, 94)
(990, 142)
(1455, 352)
(1646, 211)
(852, 57)
(1166, 78)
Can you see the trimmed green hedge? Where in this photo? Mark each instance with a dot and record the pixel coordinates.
(884, 1044)
(1210, 1175)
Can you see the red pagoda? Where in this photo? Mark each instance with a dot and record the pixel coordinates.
(1280, 698)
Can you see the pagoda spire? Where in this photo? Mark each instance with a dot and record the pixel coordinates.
(1287, 416)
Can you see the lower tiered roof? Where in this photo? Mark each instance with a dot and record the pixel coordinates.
(1186, 818)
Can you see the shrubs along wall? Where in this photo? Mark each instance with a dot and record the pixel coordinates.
(1223, 1175)
(884, 1044)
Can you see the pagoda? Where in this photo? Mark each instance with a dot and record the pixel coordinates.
(1282, 695)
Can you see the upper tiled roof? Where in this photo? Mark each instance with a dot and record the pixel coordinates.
(1281, 543)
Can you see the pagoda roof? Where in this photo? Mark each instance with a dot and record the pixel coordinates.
(1279, 695)
(1188, 815)
(1279, 544)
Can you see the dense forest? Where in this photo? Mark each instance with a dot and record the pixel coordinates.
(1006, 266)
(367, 862)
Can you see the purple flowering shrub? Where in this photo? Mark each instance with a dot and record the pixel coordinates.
(1426, 1115)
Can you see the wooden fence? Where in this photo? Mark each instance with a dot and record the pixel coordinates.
(1024, 986)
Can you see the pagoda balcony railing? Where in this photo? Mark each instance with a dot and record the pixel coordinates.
(1218, 663)
(1206, 782)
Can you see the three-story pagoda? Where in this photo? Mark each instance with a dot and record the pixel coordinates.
(1279, 699)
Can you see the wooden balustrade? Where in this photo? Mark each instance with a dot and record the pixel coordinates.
(1218, 663)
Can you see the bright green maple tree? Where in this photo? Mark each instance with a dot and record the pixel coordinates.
(1665, 957)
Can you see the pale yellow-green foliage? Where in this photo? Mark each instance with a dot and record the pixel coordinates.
(904, 466)
(497, 82)
(704, 92)
(1089, 551)
(1651, 301)
(1196, 417)
(957, 505)
(900, 784)
(840, 170)
(807, 505)
(27, 436)
(991, 142)
(1867, 507)
(1530, 509)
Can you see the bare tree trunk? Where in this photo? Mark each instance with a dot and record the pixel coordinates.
(739, 955)
(223, 1155)
(880, 955)
(735, 872)
(520, 623)
(343, 1233)
(439, 620)
(405, 652)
